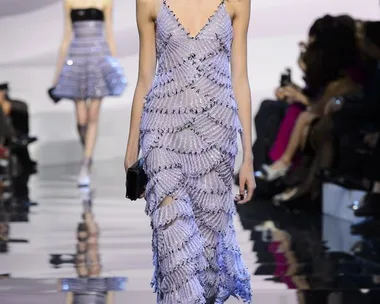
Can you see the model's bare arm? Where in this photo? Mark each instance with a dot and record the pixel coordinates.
(240, 74)
(67, 36)
(108, 19)
(145, 11)
(242, 92)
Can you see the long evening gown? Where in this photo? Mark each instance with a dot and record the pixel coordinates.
(188, 137)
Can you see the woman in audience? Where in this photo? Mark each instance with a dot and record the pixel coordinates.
(328, 62)
(319, 141)
(87, 70)
(298, 101)
(275, 119)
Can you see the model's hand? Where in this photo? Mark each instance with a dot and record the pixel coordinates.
(247, 183)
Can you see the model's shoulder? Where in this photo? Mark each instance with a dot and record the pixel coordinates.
(149, 6)
(238, 4)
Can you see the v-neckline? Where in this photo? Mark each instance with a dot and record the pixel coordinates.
(203, 28)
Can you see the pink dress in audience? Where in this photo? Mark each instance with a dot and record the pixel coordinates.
(285, 131)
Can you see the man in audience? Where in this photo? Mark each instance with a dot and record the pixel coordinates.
(17, 112)
(6, 130)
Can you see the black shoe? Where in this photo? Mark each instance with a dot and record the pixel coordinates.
(369, 205)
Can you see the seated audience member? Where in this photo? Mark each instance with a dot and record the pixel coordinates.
(6, 130)
(353, 119)
(369, 41)
(328, 62)
(297, 101)
(335, 137)
(276, 118)
(17, 112)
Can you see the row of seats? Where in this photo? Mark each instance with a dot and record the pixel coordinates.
(318, 149)
(327, 130)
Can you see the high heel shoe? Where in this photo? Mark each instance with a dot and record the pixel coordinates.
(296, 199)
(285, 196)
(271, 175)
(84, 174)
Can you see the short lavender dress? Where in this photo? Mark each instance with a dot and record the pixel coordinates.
(188, 138)
(89, 70)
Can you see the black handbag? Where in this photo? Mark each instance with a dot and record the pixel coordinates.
(136, 181)
(52, 96)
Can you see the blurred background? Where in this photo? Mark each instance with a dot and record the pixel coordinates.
(312, 232)
(32, 32)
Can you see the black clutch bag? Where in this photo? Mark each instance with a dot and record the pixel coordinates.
(136, 181)
(52, 96)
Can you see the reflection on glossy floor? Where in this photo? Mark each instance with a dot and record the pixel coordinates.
(93, 246)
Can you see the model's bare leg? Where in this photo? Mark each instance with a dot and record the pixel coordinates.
(92, 127)
(81, 115)
(90, 141)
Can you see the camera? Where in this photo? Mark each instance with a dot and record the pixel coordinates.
(286, 78)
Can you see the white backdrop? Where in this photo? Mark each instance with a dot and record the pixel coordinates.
(31, 31)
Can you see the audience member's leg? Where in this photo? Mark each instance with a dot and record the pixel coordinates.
(285, 131)
(295, 142)
(322, 140)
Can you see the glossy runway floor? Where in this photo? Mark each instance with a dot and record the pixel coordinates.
(50, 250)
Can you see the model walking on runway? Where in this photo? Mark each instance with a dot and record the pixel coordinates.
(191, 101)
(87, 70)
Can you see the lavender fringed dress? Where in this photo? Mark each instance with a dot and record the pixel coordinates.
(89, 70)
(188, 138)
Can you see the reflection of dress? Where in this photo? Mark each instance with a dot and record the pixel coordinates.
(92, 290)
(189, 141)
(89, 71)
